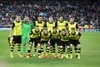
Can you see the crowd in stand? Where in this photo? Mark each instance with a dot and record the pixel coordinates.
(85, 12)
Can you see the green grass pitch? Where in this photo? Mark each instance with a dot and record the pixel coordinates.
(90, 54)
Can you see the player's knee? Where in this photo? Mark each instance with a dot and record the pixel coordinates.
(38, 44)
(67, 47)
(78, 46)
(30, 46)
(51, 46)
(71, 45)
(60, 46)
(30, 42)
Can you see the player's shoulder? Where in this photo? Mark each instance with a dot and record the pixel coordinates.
(36, 20)
(79, 33)
(22, 20)
(30, 21)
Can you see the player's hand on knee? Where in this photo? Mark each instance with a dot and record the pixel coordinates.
(71, 45)
(38, 44)
(67, 46)
(61, 46)
(78, 46)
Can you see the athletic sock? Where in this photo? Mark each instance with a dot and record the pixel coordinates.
(12, 48)
(61, 51)
(47, 50)
(78, 50)
(19, 49)
(58, 50)
(75, 50)
(68, 50)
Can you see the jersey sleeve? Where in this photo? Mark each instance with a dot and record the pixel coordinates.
(45, 24)
(56, 24)
(31, 32)
(32, 25)
(40, 34)
(77, 26)
(12, 25)
(22, 23)
(66, 24)
(79, 34)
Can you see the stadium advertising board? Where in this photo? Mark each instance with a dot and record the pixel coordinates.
(89, 30)
(81, 29)
(4, 29)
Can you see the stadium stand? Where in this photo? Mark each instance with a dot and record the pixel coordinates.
(85, 12)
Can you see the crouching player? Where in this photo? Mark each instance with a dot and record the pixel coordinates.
(45, 38)
(64, 43)
(74, 40)
(34, 37)
(55, 38)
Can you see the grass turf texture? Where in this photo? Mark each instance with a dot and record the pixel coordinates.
(90, 54)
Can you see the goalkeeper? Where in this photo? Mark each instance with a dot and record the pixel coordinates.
(27, 25)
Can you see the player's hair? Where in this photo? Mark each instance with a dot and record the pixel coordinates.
(63, 29)
(26, 16)
(40, 16)
(60, 16)
(72, 17)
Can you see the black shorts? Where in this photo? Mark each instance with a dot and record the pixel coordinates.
(54, 41)
(17, 39)
(63, 43)
(44, 42)
(35, 40)
(74, 42)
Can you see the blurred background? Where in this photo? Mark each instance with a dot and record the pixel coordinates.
(86, 13)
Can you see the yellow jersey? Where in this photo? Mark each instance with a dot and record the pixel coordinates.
(70, 26)
(17, 30)
(35, 34)
(40, 24)
(61, 25)
(75, 36)
(45, 37)
(50, 26)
